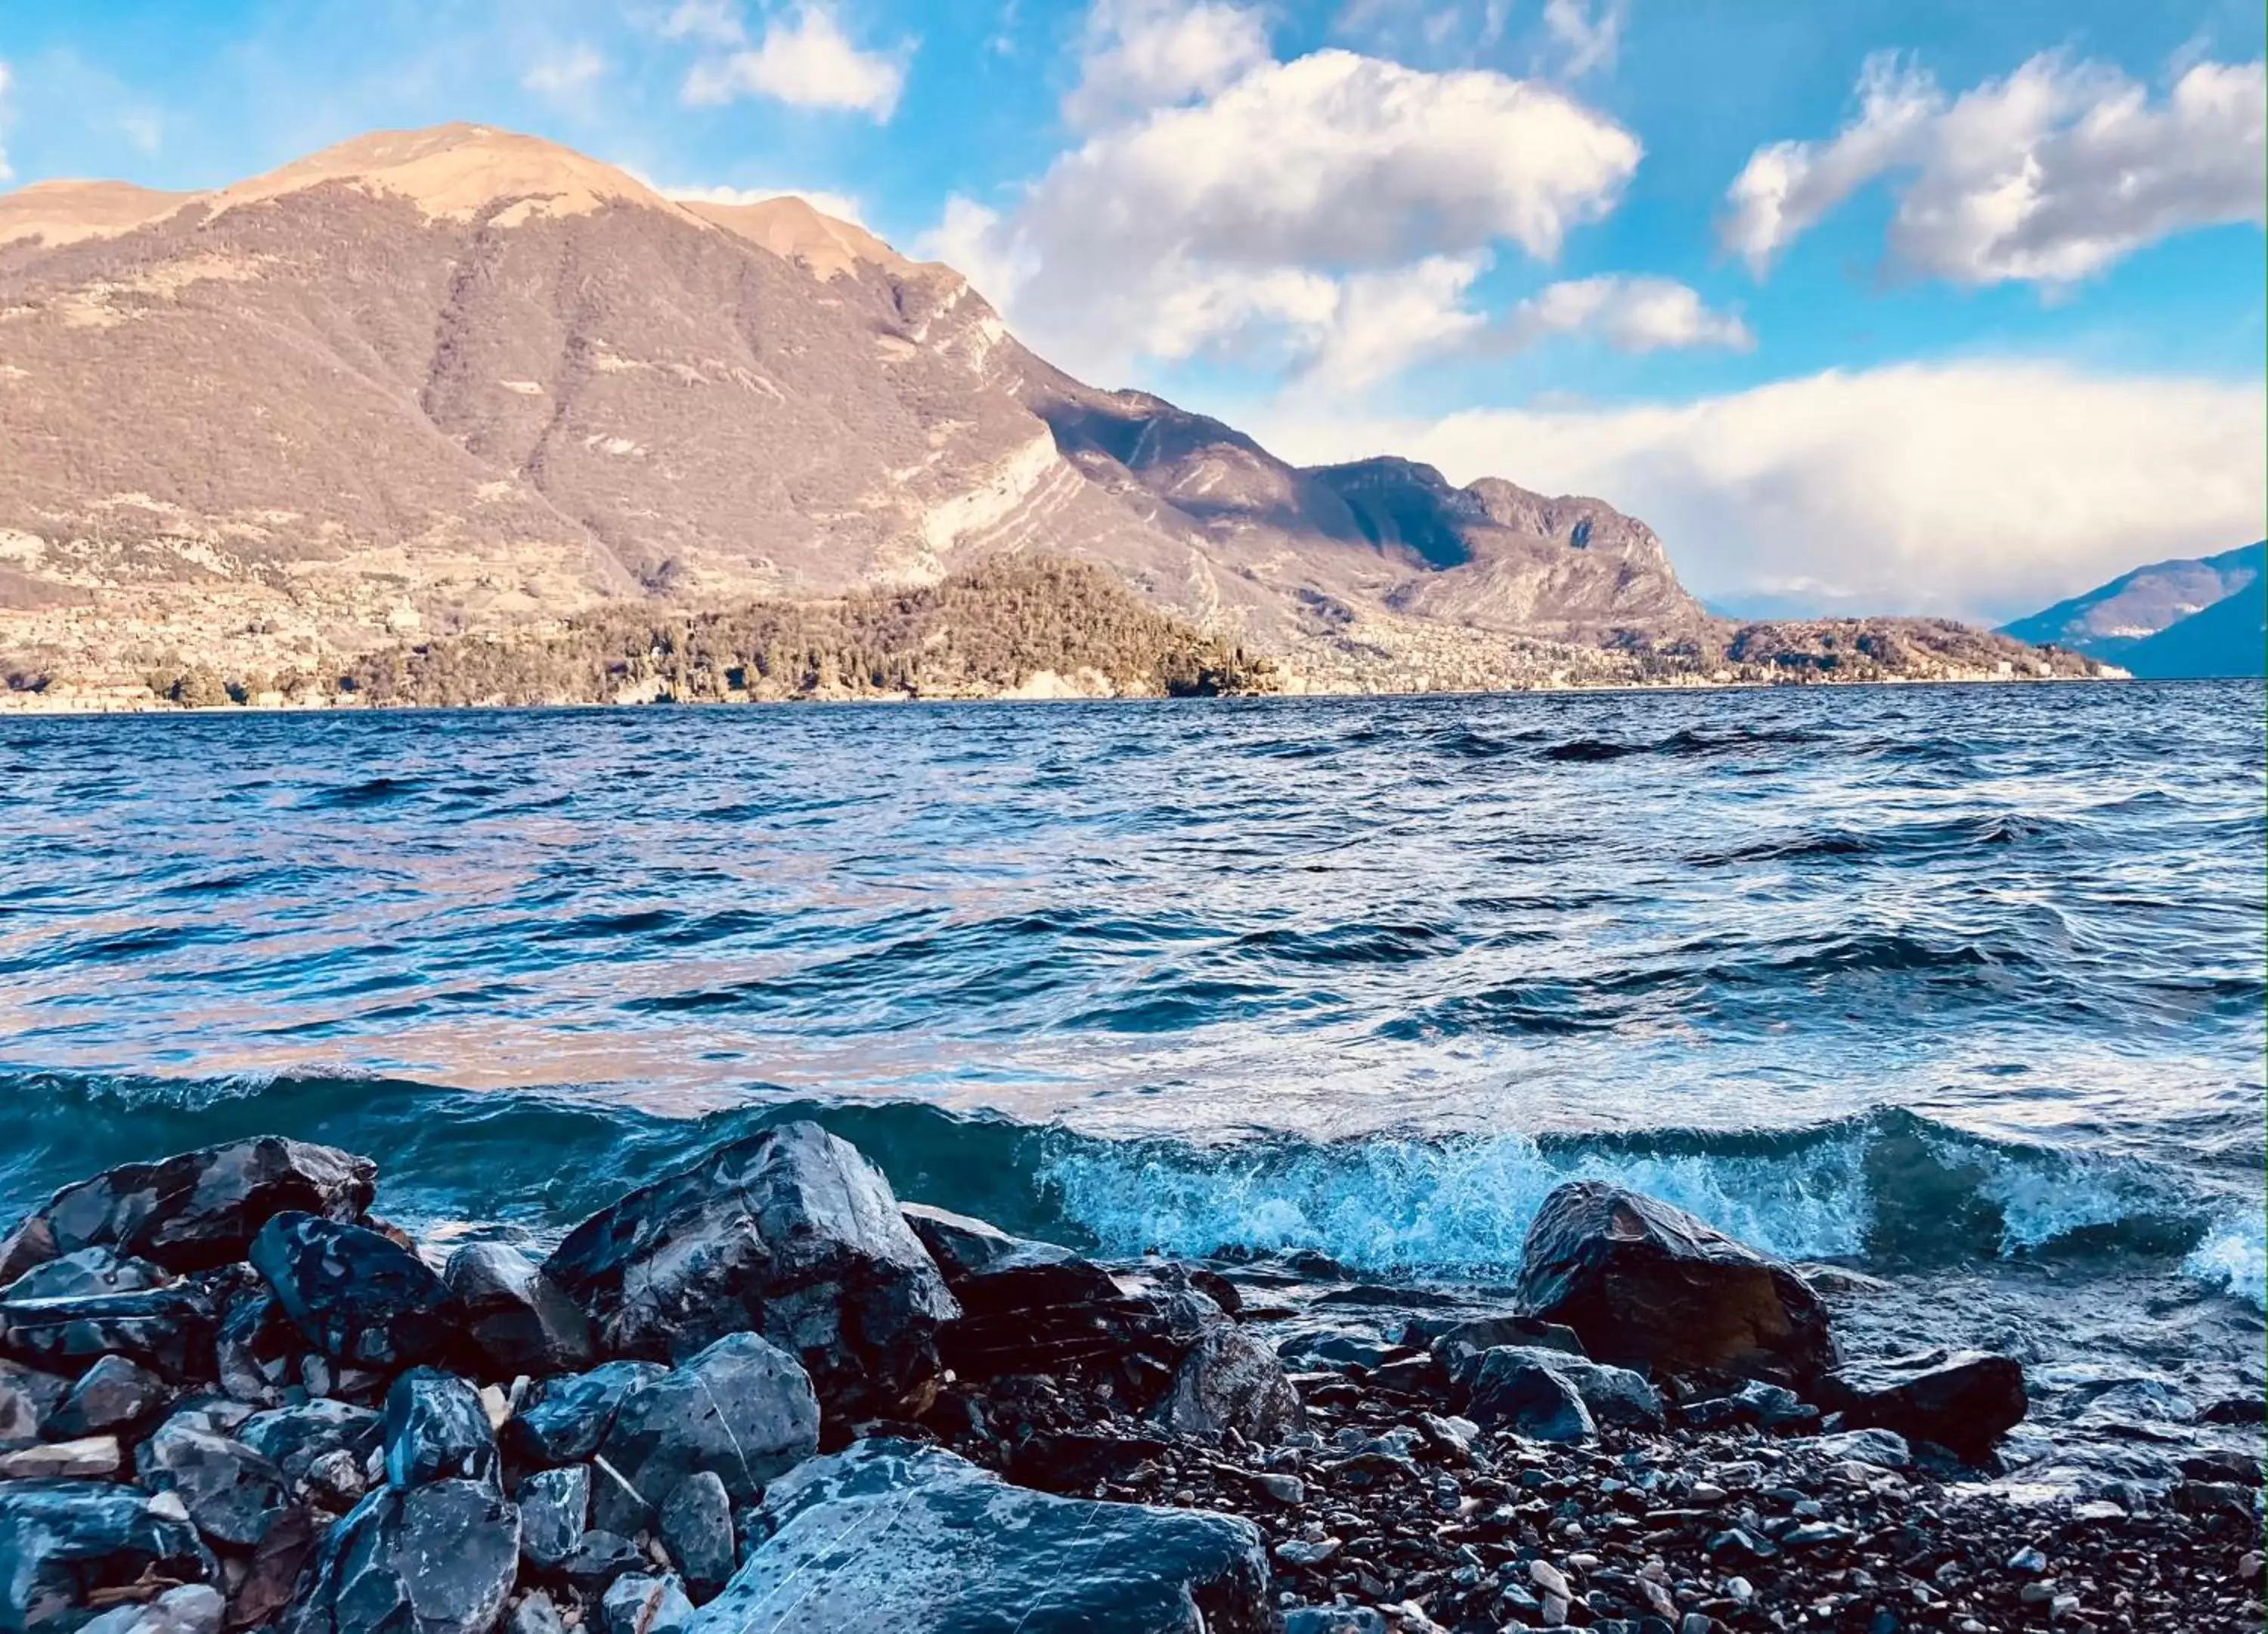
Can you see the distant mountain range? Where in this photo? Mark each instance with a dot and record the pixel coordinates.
(2185, 618)
(461, 382)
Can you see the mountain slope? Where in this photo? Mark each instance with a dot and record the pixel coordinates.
(2229, 638)
(2106, 622)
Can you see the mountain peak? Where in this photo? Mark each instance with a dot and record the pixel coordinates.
(64, 212)
(793, 229)
(457, 172)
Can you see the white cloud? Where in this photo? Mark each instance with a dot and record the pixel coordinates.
(1248, 220)
(841, 206)
(970, 240)
(1982, 490)
(1588, 32)
(1631, 315)
(1144, 54)
(1384, 322)
(716, 21)
(808, 61)
(565, 75)
(2047, 176)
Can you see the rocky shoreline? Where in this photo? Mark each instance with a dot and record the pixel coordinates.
(763, 1394)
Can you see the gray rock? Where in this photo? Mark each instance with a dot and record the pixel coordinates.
(790, 1233)
(963, 1246)
(88, 1270)
(697, 1529)
(570, 1417)
(516, 1319)
(742, 1409)
(168, 1330)
(536, 1613)
(438, 1558)
(637, 1604)
(436, 1429)
(1535, 1401)
(87, 1459)
(357, 1297)
(253, 1342)
(112, 1395)
(1768, 1406)
(192, 1608)
(1646, 1285)
(554, 1508)
(966, 1551)
(194, 1212)
(1885, 1449)
(1231, 1380)
(295, 1438)
(1962, 1400)
(28, 1399)
(1335, 1347)
(598, 1559)
(1614, 1395)
(234, 1495)
(65, 1542)
(1335, 1620)
(1460, 1341)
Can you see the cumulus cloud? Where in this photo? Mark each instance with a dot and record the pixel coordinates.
(804, 60)
(565, 75)
(1144, 54)
(1631, 314)
(1982, 490)
(715, 21)
(1302, 198)
(2046, 176)
(1588, 32)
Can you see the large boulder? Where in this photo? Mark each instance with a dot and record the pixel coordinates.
(742, 1409)
(357, 1297)
(1646, 1285)
(966, 1551)
(234, 1495)
(1231, 1380)
(569, 1416)
(1529, 1400)
(439, 1559)
(196, 1211)
(168, 1330)
(790, 1233)
(1964, 1401)
(1612, 1395)
(88, 1270)
(68, 1547)
(515, 1318)
(1026, 1307)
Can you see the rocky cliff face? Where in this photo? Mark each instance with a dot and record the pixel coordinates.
(460, 380)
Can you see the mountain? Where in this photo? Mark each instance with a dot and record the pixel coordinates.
(2110, 621)
(2229, 638)
(459, 381)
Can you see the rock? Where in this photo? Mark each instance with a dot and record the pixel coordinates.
(296, 1439)
(197, 1211)
(967, 1551)
(272, 1576)
(90, 1458)
(743, 1409)
(554, 1510)
(68, 1545)
(1885, 1449)
(1302, 1552)
(1768, 1406)
(598, 1559)
(337, 1479)
(254, 1343)
(436, 1429)
(1648, 1286)
(571, 1416)
(1052, 1314)
(112, 1395)
(1335, 1620)
(1614, 1395)
(536, 1613)
(192, 1608)
(232, 1494)
(1536, 1402)
(640, 1604)
(1964, 1401)
(516, 1319)
(697, 1529)
(1336, 1347)
(357, 1297)
(1283, 1487)
(88, 1270)
(1231, 1380)
(168, 1330)
(434, 1559)
(28, 1399)
(1460, 1341)
(963, 1246)
(792, 1233)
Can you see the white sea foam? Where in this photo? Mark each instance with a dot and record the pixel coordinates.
(2235, 1256)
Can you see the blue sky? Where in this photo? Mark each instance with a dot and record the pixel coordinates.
(1930, 306)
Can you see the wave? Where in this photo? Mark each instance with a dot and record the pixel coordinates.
(1889, 1190)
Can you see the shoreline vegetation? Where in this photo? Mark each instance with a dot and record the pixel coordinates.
(761, 1393)
(1008, 628)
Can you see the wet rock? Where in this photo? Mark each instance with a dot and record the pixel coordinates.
(168, 1330)
(1962, 1400)
(598, 1559)
(743, 1409)
(697, 1529)
(1767, 1406)
(1456, 1343)
(1648, 1286)
(1231, 1380)
(296, 1439)
(570, 1415)
(516, 1319)
(1336, 1347)
(68, 1545)
(194, 1212)
(272, 1576)
(357, 1297)
(436, 1429)
(88, 1270)
(554, 1510)
(438, 1558)
(1614, 1395)
(28, 1399)
(1047, 1312)
(970, 1551)
(232, 1494)
(254, 1345)
(1885, 1449)
(112, 1395)
(536, 1613)
(1539, 1402)
(964, 1247)
(642, 1604)
(192, 1608)
(90, 1458)
(1335, 1620)
(792, 1233)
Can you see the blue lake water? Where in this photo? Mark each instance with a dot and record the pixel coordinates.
(1906, 975)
